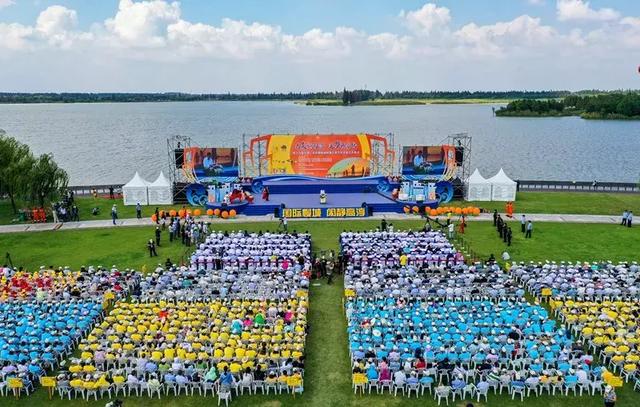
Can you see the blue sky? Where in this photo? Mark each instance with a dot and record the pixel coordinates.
(281, 45)
(299, 16)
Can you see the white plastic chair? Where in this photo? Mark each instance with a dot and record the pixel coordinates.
(442, 392)
(224, 394)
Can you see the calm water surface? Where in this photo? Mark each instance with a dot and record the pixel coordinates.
(107, 143)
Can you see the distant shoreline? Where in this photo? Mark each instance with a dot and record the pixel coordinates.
(403, 102)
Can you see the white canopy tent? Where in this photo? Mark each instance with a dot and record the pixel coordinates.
(478, 187)
(160, 191)
(135, 191)
(503, 187)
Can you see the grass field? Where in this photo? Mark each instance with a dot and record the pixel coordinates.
(527, 202)
(327, 376)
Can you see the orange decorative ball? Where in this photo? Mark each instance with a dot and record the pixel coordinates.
(458, 211)
(224, 214)
(216, 212)
(416, 209)
(433, 212)
(210, 212)
(232, 213)
(172, 212)
(162, 213)
(154, 217)
(476, 211)
(181, 213)
(406, 209)
(197, 212)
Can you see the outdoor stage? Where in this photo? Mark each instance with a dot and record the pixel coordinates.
(299, 196)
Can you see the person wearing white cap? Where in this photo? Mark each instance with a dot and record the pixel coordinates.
(610, 396)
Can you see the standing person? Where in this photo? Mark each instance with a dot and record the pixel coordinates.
(171, 231)
(529, 229)
(610, 397)
(463, 224)
(54, 213)
(158, 236)
(265, 194)
(523, 223)
(509, 236)
(75, 213)
(495, 217)
(157, 212)
(505, 230)
(451, 230)
(630, 219)
(330, 266)
(152, 248)
(138, 210)
(383, 225)
(111, 192)
(114, 213)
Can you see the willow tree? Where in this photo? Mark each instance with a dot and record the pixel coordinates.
(46, 180)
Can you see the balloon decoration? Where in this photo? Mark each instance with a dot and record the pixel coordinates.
(216, 212)
(416, 209)
(454, 210)
(154, 218)
(232, 213)
(197, 212)
(182, 213)
(210, 212)
(172, 212)
(406, 209)
(162, 213)
(433, 212)
(224, 214)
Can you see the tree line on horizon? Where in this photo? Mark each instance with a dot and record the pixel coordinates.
(347, 96)
(608, 106)
(25, 177)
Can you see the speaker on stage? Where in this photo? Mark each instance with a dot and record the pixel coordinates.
(179, 157)
(459, 155)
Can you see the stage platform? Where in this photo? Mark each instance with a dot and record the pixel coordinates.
(299, 192)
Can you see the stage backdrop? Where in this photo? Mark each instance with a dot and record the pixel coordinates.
(429, 162)
(318, 155)
(211, 162)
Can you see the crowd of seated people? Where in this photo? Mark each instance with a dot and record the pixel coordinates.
(581, 280)
(65, 284)
(244, 249)
(162, 347)
(609, 327)
(37, 335)
(464, 348)
(401, 248)
(186, 284)
(417, 265)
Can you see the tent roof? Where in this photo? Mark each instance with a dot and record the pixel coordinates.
(161, 181)
(477, 178)
(136, 181)
(501, 178)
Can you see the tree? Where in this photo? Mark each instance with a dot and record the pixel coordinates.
(47, 180)
(15, 164)
(345, 96)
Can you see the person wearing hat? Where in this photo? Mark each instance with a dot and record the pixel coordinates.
(610, 396)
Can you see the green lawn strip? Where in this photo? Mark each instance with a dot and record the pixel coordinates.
(327, 377)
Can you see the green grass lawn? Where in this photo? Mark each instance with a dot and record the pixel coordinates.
(583, 203)
(327, 377)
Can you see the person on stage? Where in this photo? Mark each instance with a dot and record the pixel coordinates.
(265, 194)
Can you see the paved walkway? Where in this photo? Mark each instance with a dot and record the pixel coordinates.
(107, 223)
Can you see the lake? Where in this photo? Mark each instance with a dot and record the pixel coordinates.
(107, 143)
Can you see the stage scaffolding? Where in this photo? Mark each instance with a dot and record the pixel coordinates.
(462, 141)
(179, 178)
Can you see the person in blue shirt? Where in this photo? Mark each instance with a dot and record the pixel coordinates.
(226, 378)
(418, 160)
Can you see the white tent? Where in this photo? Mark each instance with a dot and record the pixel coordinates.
(160, 191)
(135, 191)
(503, 187)
(478, 187)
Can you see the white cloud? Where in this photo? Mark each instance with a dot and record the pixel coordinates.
(426, 20)
(523, 31)
(143, 24)
(6, 3)
(233, 39)
(581, 10)
(316, 43)
(392, 45)
(148, 44)
(14, 36)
